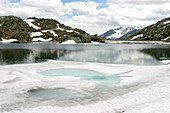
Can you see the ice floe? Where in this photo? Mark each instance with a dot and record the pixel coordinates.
(142, 89)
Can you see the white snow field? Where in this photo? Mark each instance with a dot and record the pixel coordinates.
(142, 89)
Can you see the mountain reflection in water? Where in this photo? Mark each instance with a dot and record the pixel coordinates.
(140, 54)
(14, 56)
(158, 53)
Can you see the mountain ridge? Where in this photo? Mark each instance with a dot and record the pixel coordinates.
(160, 31)
(119, 32)
(41, 29)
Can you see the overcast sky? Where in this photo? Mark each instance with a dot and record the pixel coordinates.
(94, 16)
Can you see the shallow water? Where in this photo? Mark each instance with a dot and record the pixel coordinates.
(83, 74)
(104, 82)
(59, 94)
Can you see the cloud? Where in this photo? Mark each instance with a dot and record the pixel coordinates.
(139, 2)
(83, 8)
(38, 8)
(88, 15)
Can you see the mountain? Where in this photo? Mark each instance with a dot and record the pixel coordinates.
(155, 32)
(40, 29)
(119, 33)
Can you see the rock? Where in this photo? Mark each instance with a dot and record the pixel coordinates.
(85, 38)
(76, 39)
(12, 27)
(98, 39)
(155, 32)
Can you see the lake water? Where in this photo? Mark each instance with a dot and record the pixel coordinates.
(140, 54)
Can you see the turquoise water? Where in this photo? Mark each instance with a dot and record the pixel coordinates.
(84, 74)
(62, 95)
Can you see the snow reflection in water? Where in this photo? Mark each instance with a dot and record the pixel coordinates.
(139, 54)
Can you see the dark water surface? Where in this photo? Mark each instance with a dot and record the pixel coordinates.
(140, 54)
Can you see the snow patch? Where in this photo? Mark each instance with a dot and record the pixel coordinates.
(141, 35)
(34, 34)
(166, 61)
(166, 22)
(8, 40)
(62, 29)
(41, 39)
(72, 31)
(69, 42)
(52, 32)
(76, 32)
(93, 42)
(69, 31)
(166, 38)
(58, 28)
(29, 22)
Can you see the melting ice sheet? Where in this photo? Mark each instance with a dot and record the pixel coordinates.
(35, 88)
(59, 94)
(83, 74)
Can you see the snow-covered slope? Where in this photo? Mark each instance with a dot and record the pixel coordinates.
(158, 31)
(119, 33)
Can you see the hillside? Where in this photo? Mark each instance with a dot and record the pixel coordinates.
(155, 32)
(39, 29)
(119, 33)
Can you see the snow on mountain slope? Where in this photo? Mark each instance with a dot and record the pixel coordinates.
(41, 29)
(119, 33)
(155, 32)
(29, 22)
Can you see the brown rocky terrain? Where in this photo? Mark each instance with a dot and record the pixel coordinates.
(156, 32)
(12, 27)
